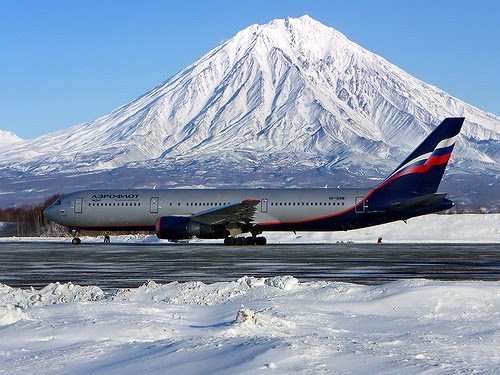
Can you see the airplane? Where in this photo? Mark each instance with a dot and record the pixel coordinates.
(181, 214)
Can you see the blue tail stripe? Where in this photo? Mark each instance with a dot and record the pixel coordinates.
(443, 151)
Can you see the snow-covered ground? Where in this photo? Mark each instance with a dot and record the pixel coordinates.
(269, 325)
(424, 229)
(272, 325)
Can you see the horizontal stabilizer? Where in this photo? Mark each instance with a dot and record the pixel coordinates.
(418, 202)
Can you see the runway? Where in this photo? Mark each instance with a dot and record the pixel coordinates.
(124, 265)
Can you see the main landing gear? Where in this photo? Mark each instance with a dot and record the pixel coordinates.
(242, 241)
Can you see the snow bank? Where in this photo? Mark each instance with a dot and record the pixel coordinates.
(54, 293)
(460, 228)
(10, 314)
(250, 325)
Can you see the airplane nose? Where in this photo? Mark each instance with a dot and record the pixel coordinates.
(49, 213)
(46, 213)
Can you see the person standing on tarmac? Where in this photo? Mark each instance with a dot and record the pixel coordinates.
(107, 239)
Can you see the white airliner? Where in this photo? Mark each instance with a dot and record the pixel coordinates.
(180, 214)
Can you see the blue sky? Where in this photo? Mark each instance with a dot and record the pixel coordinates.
(67, 62)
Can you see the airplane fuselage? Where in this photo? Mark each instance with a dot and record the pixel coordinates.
(277, 210)
(139, 209)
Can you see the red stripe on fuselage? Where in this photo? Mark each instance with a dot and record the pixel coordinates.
(430, 162)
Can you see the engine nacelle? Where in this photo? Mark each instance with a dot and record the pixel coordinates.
(183, 228)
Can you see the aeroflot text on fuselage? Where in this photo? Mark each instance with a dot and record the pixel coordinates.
(98, 197)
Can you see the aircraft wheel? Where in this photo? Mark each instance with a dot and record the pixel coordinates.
(261, 241)
(229, 241)
(240, 241)
(76, 241)
(251, 240)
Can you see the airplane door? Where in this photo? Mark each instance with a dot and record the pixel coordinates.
(78, 205)
(360, 207)
(153, 206)
(263, 205)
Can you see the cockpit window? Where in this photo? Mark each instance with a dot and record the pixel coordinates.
(57, 203)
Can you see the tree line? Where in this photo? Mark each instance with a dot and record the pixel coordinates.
(28, 221)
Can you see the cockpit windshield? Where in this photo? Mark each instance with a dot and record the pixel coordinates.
(57, 203)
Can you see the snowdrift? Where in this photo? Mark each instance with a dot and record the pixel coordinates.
(252, 325)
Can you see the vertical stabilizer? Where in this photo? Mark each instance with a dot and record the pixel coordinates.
(421, 172)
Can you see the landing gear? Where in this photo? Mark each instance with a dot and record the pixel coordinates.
(229, 241)
(260, 241)
(251, 240)
(242, 241)
(75, 240)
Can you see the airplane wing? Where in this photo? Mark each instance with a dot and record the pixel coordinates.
(243, 212)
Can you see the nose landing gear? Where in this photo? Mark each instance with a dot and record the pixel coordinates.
(76, 240)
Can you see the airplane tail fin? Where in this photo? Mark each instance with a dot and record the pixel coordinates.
(421, 172)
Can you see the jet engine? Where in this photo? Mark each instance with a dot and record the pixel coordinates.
(182, 228)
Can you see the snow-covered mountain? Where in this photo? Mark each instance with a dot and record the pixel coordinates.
(8, 139)
(272, 104)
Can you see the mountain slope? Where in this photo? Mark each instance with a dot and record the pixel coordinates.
(8, 138)
(292, 94)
